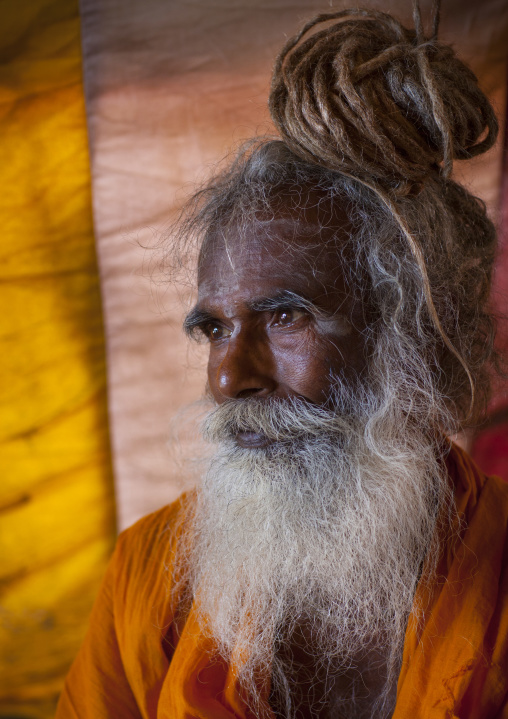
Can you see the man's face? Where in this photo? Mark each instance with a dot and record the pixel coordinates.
(277, 311)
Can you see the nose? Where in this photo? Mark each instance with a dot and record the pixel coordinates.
(246, 369)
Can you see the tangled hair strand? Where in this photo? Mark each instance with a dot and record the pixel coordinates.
(371, 98)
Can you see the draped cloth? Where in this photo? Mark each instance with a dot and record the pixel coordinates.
(57, 509)
(135, 662)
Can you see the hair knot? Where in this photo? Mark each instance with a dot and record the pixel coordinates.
(371, 98)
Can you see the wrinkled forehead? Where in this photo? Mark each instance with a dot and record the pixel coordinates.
(306, 234)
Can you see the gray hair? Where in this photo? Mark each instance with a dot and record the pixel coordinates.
(458, 245)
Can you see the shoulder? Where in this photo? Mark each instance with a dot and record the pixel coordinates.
(152, 533)
(141, 566)
(476, 492)
(482, 506)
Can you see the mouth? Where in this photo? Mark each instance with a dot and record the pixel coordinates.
(252, 440)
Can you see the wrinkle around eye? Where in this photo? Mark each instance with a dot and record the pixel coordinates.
(295, 314)
(205, 332)
(215, 332)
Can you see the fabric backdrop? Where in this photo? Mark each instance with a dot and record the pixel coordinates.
(56, 491)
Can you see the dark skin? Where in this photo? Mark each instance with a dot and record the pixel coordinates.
(280, 320)
(278, 313)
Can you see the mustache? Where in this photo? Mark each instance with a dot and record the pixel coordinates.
(279, 420)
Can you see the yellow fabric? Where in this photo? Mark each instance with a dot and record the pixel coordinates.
(142, 658)
(56, 496)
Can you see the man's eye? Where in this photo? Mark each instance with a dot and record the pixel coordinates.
(288, 316)
(215, 332)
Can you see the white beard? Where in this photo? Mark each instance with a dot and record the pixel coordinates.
(333, 523)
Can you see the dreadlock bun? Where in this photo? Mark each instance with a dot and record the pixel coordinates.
(370, 98)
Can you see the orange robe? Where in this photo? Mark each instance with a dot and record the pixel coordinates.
(134, 664)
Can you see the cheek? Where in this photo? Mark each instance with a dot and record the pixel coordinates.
(305, 365)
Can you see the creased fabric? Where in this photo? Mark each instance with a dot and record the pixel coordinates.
(56, 494)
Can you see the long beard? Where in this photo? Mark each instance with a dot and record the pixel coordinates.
(331, 524)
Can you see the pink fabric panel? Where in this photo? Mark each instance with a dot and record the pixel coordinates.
(170, 87)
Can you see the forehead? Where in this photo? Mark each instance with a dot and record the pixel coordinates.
(303, 250)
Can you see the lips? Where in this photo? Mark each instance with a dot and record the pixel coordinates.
(252, 440)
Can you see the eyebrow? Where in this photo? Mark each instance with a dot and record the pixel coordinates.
(283, 300)
(198, 316)
(195, 320)
(294, 300)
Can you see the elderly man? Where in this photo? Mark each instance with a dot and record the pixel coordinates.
(340, 558)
